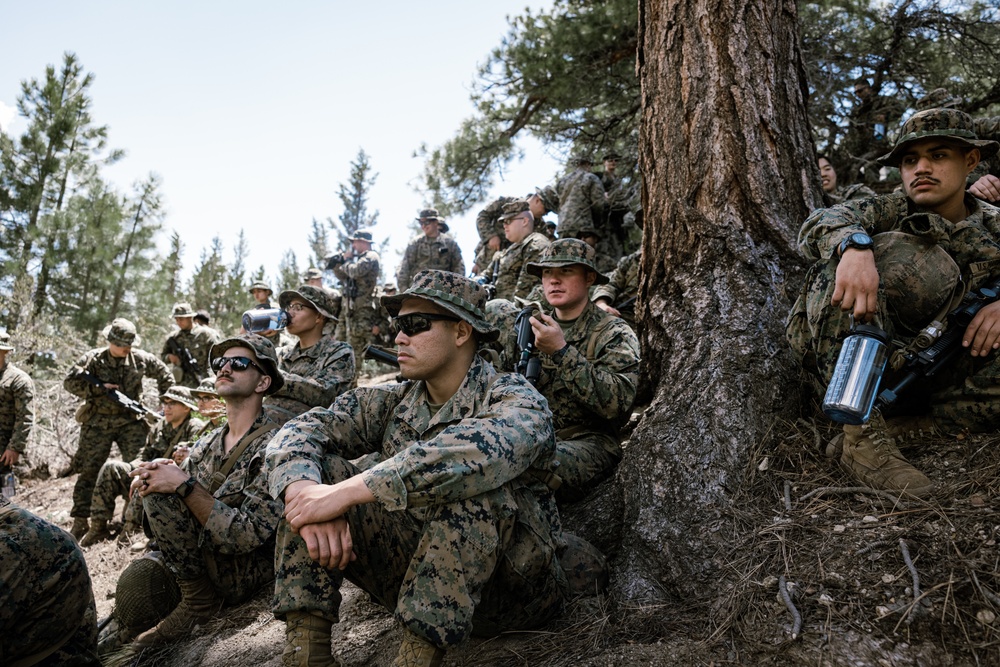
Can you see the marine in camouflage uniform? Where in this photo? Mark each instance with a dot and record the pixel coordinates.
(590, 381)
(113, 480)
(47, 612)
(16, 414)
(102, 420)
(489, 226)
(213, 517)
(920, 257)
(582, 201)
(358, 271)
(835, 192)
(453, 534)
(317, 368)
(621, 288)
(196, 339)
(433, 249)
(510, 279)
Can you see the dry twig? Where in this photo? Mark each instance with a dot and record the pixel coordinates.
(787, 599)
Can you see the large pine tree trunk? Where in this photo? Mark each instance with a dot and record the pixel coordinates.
(730, 174)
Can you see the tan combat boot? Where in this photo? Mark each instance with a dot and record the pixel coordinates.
(872, 458)
(911, 429)
(98, 532)
(307, 641)
(199, 603)
(416, 651)
(81, 525)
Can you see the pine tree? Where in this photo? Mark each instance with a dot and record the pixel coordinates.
(354, 197)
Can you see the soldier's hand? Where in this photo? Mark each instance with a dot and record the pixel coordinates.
(987, 187)
(375, 330)
(9, 457)
(174, 359)
(109, 385)
(607, 307)
(856, 287)
(329, 543)
(494, 243)
(159, 476)
(318, 503)
(549, 336)
(982, 335)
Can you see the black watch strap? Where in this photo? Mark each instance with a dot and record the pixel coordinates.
(858, 240)
(186, 487)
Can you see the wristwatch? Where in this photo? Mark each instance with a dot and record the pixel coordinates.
(185, 488)
(858, 240)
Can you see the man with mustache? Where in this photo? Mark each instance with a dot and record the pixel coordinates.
(902, 261)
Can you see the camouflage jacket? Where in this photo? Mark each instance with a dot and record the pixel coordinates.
(441, 253)
(244, 516)
(581, 202)
(847, 193)
(164, 438)
(16, 414)
(481, 441)
(588, 395)
(127, 373)
(488, 225)
(510, 277)
(359, 276)
(623, 282)
(974, 243)
(314, 377)
(198, 341)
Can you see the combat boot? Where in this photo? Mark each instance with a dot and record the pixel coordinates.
(199, 603)
(307, 641)
(98, 532)
(872, 457)
(416, 651)
(911, 429)
(81, 525)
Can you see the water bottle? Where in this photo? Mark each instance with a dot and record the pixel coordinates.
(854, 386)
(265, 319)
(9, 484)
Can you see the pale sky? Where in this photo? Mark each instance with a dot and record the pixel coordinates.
(251, 112)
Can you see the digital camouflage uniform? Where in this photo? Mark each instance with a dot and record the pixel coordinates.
(847, 193)
(622, 286)
(314, 377)
(359, 276)
(235, 547)
(488, 225)
(581, 202)
(47, 612)
(16, 414)
(457, 539)
(441, 253)
(198, 341)
(511, 279)
(102, 420)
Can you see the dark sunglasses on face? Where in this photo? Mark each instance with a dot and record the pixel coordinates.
(413, 323)
(236, 363)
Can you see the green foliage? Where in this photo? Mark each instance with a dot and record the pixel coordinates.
(354, 198)
(289, 274)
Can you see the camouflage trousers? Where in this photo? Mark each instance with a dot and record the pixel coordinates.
(96, 437)
(965, 395)
(585, 459)
(179, 535)
(355, 327)
(47, 613)
(460, 568)
(113, 482)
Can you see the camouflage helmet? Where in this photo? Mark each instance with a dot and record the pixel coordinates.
(179, 394)
(317, 297)
(564, 252)
(146, 592)
(264, 351)
(5, 341)
(122, 332)
(939, 98)
(205, 388)
(182, 309)
(919, 278)
(364, 234)
(260, 284)
(451, 291)
(950, 124)
(513, 209)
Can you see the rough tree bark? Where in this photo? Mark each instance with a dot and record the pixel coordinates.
(730, 174)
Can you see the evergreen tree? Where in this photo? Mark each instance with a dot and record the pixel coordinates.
(319, 244)
(354, 198)
(289, 275)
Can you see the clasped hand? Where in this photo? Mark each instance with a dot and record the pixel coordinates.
(156, 476)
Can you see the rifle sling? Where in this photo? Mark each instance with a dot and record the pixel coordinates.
(220, 475)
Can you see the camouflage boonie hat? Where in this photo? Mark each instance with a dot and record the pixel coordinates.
(318, 297)
(611, 156)
(362, 235)
(939, 98)
(945, 123)
(180, 395)
(260, 284)
(206, 388)
(312, 273)
(5, 341)
(122, 332)
(549, 197)
(587, 231)
(432, 214)
(512, 209)
(182, 310)
(581, 160)
(453, 292)
(919, 278)
(564, 252)
(389, 286)
(262, 347)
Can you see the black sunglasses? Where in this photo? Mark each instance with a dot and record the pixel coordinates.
(413, 323)
(237, 364)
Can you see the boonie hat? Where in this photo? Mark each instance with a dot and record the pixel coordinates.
(312, 273)
(260, 284)
(453, 292)
(362, 235)
(182, 310)
(945, 123)
(564, 252)
(206, 388)
(939, 98)
(318, 297)
(180, 395)
(432, 214)
(5, 341)
(122, 332)
(262, 347)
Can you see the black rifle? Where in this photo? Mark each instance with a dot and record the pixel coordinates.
(378, 354)
(627, 304)
(118, 397)
(528, 363)
(188, 363)
(486, 282)
(927, 362)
